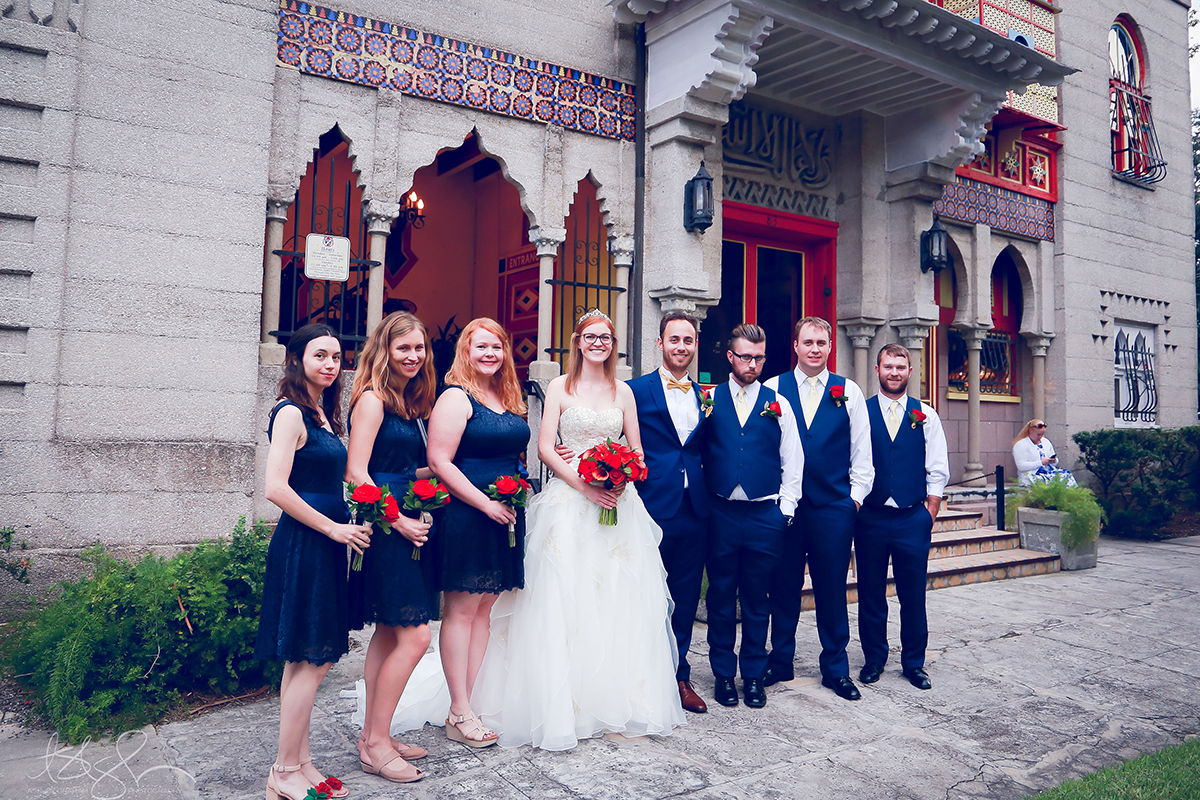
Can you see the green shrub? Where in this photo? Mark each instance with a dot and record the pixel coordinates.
(1144, 476)
(1084, 514)
(117, 650)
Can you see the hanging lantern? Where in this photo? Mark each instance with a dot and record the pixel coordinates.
(698, 209)
(935, 247)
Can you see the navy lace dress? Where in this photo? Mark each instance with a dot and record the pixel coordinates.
(305, 609)
(475, 552)
(392, 588)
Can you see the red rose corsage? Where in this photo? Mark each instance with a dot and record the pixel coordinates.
(838, 395)
(917, 417)
(771, 410)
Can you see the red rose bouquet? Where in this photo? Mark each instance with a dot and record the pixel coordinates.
(513, 491)
(425, 496)
(611, 465)
(371, 505)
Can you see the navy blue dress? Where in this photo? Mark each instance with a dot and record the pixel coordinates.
(392, 588)
(475, 552)
(305, 610)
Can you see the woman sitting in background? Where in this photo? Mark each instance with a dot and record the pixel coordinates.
(1035, 456)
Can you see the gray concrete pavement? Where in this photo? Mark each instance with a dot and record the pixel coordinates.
(1034, 681)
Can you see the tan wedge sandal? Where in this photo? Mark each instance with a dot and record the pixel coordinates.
(386, 768)
(461, 728)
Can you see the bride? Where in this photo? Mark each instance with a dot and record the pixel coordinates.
(586, 648)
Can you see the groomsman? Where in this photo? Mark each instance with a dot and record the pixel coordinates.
(836, 437)
(672, 426)
(753, 465)
(911, 470)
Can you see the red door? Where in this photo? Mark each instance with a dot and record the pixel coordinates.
(775, 269)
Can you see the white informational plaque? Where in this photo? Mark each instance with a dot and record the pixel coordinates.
(326, 258)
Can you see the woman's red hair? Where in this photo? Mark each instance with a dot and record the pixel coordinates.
(463, 373)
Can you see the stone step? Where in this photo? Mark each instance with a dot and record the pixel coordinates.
(947, 544)
(953, 519)
(979, 567)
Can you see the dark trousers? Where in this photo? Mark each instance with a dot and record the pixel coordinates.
(744, 542)
(901, 534)
(683, 546)
(820, 537)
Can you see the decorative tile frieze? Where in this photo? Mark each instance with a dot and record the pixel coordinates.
(972, 201)
(345, 47)
(776, 198)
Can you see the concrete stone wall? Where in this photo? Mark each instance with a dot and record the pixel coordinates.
(1117, 237)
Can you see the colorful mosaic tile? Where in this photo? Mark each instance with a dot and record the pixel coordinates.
(333, 44)
(1005, 210)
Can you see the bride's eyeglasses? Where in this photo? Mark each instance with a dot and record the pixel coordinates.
(592, 338)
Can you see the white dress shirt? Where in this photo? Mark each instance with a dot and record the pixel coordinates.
(682, 406)
(1028, 457)
(862, 468)
(937, 455)
(791, 453)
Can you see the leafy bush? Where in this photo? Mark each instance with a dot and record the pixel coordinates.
(1145, 476)
(1084, 514)
(117, 649)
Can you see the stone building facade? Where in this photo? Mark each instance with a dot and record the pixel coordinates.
(161, 166)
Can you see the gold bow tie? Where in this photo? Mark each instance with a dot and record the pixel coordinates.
(680, 385)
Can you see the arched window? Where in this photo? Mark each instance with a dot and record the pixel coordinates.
(1136, 155)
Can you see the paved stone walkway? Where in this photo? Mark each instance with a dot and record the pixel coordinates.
(1035, 681)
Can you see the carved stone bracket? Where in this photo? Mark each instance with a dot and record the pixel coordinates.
(914, 332)
(682, 298)
(861, 332)
(950, 134)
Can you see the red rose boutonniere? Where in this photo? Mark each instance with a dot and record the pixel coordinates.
(771, 410)
(512, 490)
(425, 496)
(917, 417)
(838, 395)
(706, 403)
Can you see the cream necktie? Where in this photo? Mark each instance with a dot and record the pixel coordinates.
(893, 419)
(811, 401)
(742, 407)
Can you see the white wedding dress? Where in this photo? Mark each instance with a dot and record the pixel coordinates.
(586, 648)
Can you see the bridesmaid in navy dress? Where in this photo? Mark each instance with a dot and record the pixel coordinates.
(394, 389)
(477, 433)
(305, 611)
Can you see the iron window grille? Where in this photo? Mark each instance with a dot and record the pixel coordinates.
(995, 364)
(1136, 155)
(1135, 394)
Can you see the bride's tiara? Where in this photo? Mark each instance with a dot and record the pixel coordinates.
(595, 312)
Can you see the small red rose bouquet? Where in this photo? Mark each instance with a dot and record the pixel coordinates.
(611, 465)
(772, 410)
(371, 505)
(917, 417)
(513, 491)
(425, 496)
(838, 395)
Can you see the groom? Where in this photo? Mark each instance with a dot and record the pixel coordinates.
(673, 427)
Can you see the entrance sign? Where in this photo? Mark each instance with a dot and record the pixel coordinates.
(326, 258)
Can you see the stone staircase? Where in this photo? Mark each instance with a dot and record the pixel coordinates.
(964, 551)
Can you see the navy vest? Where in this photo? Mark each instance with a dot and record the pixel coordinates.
(747, 455)
(899, 464)
(826, 444)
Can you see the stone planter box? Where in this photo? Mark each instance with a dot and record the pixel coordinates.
(1042, 530)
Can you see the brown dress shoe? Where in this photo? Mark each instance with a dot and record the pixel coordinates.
(690, 700)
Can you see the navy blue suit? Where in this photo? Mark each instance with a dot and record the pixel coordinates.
(681, 513)
(746, 537)
(822, 537)
(902, 534)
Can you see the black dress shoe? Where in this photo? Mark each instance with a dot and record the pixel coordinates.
(843, 687)
(756, 695)
(774, 675)
(725, 692)
(870, 673)
(918, 678)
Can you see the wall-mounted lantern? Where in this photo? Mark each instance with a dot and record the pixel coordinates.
(412, 211)
(935, 247)
(698, 207)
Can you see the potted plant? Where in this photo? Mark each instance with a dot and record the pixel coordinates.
(1053, 517)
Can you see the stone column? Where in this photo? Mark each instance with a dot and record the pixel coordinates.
(973, 470)
(379, 227)
(270, 351)
(861, 332)
(1038, 346)
(547, 241)
(622, 250)
(913, 335)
